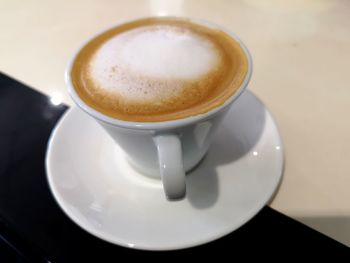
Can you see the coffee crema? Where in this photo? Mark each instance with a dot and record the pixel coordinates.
(158, 69)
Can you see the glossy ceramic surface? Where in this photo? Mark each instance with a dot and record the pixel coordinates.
(97, 188)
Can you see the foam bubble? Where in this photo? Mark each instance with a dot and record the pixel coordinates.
(152, 62)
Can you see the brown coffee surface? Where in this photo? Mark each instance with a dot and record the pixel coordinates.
(126, 93)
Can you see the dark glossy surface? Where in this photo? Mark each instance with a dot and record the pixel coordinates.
(32, 226)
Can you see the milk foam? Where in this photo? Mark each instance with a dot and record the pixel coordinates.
(152, 62)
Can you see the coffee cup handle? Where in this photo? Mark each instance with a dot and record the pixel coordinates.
(171, 165)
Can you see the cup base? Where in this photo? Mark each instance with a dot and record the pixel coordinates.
(154, 174)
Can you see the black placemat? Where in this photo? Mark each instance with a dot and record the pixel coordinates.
(33, 227)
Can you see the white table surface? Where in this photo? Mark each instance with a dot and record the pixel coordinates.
(301, 53)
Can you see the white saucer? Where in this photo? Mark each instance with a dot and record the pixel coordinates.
(99, 191)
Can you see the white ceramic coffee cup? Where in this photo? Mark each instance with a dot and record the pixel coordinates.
(168, 149)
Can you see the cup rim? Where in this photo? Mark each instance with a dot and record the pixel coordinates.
(161, 125)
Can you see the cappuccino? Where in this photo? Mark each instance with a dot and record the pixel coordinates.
(158, 69)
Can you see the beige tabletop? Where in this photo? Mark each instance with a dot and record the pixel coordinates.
(301, 53)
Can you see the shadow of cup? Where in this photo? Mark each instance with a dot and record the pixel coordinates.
(237, 135)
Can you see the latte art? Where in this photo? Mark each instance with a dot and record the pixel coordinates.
(152, 63)
(158, 69)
